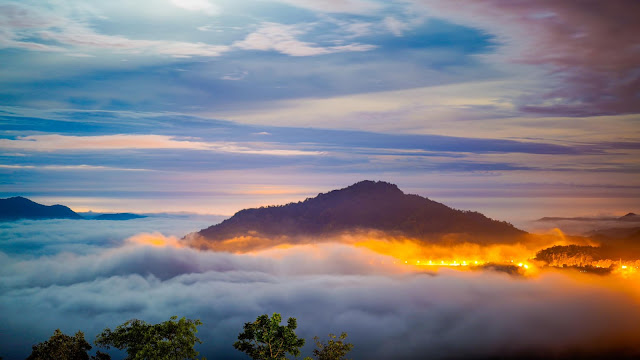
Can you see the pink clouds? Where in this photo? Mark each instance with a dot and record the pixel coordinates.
(591, 49)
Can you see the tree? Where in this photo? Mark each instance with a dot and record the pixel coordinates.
(99, 356)
(266, 339)
(333, 349)
(171, 340)
(61, 347)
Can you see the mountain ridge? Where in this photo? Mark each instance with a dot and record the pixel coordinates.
(21, 208)
(18, 207)
(366, 205)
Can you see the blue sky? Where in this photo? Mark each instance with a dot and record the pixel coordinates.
(527, 108)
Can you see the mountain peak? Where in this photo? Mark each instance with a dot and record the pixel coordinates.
(19, 207)
(363, 189)
(366, 205)
(373, 186)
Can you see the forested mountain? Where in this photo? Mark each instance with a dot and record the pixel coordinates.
(367, 205)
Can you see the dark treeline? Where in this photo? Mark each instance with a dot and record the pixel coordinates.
(175, 339)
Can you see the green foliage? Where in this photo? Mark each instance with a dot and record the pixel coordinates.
(99, 356)
(61, 347)
(336, 348)
(266, 339)
(171, 340)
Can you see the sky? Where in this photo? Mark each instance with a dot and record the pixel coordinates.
(516, 109)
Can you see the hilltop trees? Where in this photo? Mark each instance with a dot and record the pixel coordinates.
(266, 339)
(171, 340)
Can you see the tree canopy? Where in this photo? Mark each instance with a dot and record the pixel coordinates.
(171, 340)
(266, 339)
(336, 348)
(64, 347)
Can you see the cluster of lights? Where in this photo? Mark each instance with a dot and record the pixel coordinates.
(455, 263)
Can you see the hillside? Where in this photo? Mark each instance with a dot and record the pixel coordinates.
(366, 205)
(22, 208)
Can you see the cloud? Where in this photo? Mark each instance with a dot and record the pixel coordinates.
(19, 22)
(356, 7)
(197, 5)
(68, 167)
(590, 48)
(394, 25)
(79, 36)
(235, 76)
(389, 311)
(283, 39)
(117, 142)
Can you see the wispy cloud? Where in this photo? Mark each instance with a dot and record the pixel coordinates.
(204, 6)
(358, 7)
(68, 167)
(83, 37)
(118, 142)
(283, 39)
(30, 28)
(396, 26)
(235, 76)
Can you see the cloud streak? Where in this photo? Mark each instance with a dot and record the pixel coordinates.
(56, 142)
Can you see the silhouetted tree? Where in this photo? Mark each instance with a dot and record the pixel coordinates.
(61, 347)
(336, 348)
(171, 340)
(266, 339)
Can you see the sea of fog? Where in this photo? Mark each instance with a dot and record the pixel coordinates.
(88, 275)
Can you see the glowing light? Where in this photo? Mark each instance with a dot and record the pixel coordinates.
(520, 265)
(526, 266)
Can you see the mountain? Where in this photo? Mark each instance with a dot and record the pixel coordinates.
(630, 217)
(118, 216)
(22, 208)
(366, 205)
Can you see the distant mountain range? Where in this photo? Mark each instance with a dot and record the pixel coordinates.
(630, 217)
(367, 205)
(118, 216)
(18, 207)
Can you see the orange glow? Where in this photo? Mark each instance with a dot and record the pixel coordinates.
(154, 239)
(447, 251)
(456, 255)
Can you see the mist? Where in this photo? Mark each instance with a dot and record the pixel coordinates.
(389, 310)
